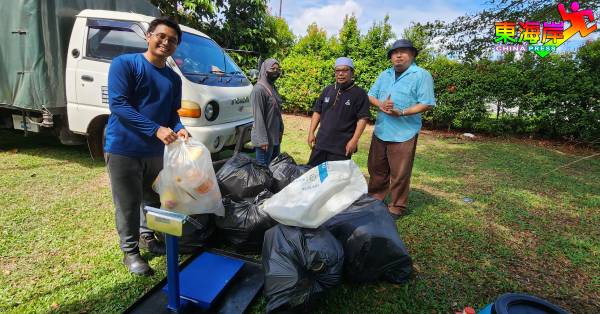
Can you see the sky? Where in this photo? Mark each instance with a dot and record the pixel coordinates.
(329, 14)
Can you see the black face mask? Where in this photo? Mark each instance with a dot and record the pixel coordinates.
(272, 76)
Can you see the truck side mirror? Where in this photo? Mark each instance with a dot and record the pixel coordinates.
(253, 74)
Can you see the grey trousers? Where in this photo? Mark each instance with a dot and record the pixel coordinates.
(131, 183)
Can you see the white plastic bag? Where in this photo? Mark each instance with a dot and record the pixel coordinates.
(319, 194)
(187, 182)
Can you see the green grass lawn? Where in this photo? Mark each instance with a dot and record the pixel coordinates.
(530, 228)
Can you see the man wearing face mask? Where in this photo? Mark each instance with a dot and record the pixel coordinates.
(401, 93)
(342, 110)
(267, 130)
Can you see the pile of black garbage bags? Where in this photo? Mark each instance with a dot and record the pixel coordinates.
(361, 244)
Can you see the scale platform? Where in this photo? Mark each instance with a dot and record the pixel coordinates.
(203, 279)
(230, 282)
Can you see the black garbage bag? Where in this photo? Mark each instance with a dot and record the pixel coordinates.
(372, 246)
(300, 264)
(196, 233)
(260, 198)
(285, 170)
(242, 177)
(244, 225)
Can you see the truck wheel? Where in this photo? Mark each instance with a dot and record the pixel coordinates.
(103, 138)
(96, 139)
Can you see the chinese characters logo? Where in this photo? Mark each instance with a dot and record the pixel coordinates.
(543, 38)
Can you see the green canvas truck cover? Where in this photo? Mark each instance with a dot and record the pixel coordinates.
(34, 37)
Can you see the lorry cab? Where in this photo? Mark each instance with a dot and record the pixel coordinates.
(215, 106)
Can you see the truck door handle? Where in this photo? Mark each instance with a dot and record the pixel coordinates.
(87, 78)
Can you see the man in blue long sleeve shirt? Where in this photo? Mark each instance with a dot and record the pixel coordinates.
(144, 96)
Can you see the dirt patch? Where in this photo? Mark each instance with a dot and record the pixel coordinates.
(573, 288)
(562, 147)
(535, 272)
(303, 122)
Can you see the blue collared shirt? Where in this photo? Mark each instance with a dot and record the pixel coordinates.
(413, 86)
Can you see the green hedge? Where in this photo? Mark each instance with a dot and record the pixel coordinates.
(557, 96)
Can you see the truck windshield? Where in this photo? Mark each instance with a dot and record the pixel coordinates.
(201, 60)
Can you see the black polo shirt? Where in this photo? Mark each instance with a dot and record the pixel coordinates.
(340, 111)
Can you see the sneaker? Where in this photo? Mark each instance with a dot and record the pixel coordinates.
(150, 242)
(137, 265)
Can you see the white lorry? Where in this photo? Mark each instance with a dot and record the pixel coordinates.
(56, 88)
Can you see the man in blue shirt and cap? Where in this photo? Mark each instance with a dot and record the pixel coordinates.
(343, 112)
(401, 93)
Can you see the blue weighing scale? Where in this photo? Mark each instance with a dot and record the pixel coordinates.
(200, 282)
(203, 280)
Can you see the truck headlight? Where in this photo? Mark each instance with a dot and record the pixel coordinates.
(211, 111)
(189, 109)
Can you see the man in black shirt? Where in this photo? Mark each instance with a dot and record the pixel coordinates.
(343, 111)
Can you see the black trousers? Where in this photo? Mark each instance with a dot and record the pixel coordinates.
(318, 157)
(131, 184)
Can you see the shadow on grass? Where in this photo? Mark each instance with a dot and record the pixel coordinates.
(45, 146)
(114, 299)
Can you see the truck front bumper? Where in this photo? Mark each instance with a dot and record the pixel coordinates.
(217, 136)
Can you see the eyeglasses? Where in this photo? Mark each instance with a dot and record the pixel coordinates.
(341, 71)
(162, 37)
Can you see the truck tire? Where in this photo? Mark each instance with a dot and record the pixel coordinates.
(65, 135)
(96, 137)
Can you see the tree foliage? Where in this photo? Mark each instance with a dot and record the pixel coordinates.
(284, 38)
(314, 43)
(557, 96)
(422, 35)
(349, 36)
(309, 67)
(188, 12)
(470, 36)
(235, 24)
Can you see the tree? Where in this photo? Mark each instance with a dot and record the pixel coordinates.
(421, 35)
(188, 12)
(312, 59)
(374, 44)
(470, 36)
(314, 43)
(371, 56)
(589, 55)
(235, 24)
(242, 24)
(589, 76)
(284, 38)
(349, 37)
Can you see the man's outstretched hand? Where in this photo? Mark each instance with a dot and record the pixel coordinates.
(166, 135)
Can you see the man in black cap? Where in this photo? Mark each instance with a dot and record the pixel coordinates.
(343, 112)
(400, 93)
